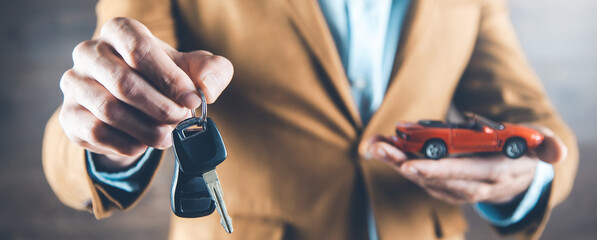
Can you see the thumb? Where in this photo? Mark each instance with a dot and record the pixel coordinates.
(552, 150)
(210, 73)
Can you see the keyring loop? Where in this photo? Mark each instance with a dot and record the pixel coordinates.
(203, 117)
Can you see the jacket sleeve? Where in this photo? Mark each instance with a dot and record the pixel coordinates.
(499, 83)
(64, 162)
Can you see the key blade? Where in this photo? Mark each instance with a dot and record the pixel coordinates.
(215, 189)
(224, 217)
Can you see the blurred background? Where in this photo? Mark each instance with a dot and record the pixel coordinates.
(36, 40)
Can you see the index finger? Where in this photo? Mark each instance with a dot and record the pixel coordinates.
(142, 52)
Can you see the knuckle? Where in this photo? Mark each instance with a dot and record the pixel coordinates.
(166, 112)
(98, 58)
(124, 85)
(98, 132)
(109, 109)
(138, 49)
(116, 24)
(130, 33)
(82, 48)
(66, 80)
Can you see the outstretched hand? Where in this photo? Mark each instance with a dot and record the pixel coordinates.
(127, 89)
(491, 178)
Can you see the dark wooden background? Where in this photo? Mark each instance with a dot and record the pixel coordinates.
(36, 38)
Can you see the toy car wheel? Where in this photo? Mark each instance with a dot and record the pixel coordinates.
(515, 148)
(434, 149)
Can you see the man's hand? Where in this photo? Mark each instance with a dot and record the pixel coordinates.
(127, 88)
(491, 178)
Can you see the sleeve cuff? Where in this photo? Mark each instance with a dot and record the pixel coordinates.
(125, 180)
(504, 215)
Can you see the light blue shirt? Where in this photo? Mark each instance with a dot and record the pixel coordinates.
(366, 33)
(120, 180)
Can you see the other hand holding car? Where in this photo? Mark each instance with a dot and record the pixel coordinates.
(487, 177)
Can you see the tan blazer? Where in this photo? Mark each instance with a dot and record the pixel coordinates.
(296, 168)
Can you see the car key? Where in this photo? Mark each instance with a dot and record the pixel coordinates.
(198, 148)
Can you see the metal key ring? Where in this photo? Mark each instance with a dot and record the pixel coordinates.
(203, 117)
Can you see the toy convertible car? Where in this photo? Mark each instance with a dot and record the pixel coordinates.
(435, 139)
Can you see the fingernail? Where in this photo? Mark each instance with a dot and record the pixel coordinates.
(191, 100)
(211, 83)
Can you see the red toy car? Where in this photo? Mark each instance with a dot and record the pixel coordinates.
(435, 139)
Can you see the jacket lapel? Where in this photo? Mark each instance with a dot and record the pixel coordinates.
(310, 24)
(421, 14)
(307, 18)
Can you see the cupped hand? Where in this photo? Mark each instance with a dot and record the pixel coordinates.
(127, 88)
(492, 177)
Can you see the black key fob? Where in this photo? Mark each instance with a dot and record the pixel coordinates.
(198, 148)
(198, 145)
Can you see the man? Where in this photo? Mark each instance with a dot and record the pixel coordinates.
(314, 84)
